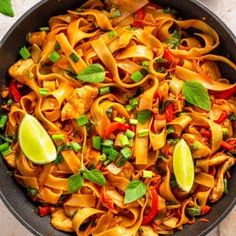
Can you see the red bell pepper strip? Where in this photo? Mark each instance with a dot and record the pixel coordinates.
(227, 146)
(138, 17)
(205, 132)
(43, 210)
(148, 218)
(115, 126)
(223, 117)
(14, 92)
(225, 94)
(169, 112)
(107, 202)
(205, 209)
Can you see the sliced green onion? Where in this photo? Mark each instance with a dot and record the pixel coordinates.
(57, 46)
(74, 57)
(54, 56)
(113, 155)
(43, 91)
(46, 28)
(143, 133)
(107, 162)
(133, 121)
(4, 147)
(7, 139)
(129, 107)
(103, 157)
(129, 133)
(24, 52)
(126, 153)
(82, 120)
(170, 129)
(106, 150)
(147, 174)
(3, 121)
(225, 185)
(194, 211)
(104, 90)
(120, 161)
(134, 102)
(115, 13)
(9, 102)
(124, 141)
(112, 34)
(137, 76)
(75, 146)
(58, 137)
(107, 143)
(145, 65)
(119, 119)
(97, 141)
(143, 116)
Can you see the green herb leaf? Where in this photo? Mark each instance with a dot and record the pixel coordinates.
(169, 10)
(94, 73)
(143, 116)
(174, 40)
(6, 8)
(135, 190)
(95, 176)
(75, 182)
(193, 211)
(196, 94)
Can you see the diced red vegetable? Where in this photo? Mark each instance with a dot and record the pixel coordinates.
(154, 210)
(222, 118)
(44, 210)
(225, 94)
(107, 202)
(169, 111)
(138, 17)
(14, 92)
(115, 126)
(205, 209)
(227, 146)
(205, 132)
(170, 57)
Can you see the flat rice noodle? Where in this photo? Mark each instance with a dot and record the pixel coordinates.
(204, 179)
(158, 140)
(202, 197)
(217, 135)
(116, 231)
(57, 183)
(117, 181)
(49, 195)
(184, 219)
(180, 123)
(103, 223)
(81, 200)
(71, 160)
(61, 222)
(31, 182)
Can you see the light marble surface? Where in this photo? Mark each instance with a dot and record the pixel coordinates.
(226, 9)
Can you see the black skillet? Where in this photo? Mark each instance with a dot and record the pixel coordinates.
(13, 195)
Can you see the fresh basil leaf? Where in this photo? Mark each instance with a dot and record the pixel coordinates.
(75, 182)
(135, 190)
(196, 94)
(94, 73)
(143, 116)
(6, 8)
(95, 176)
(174, 40)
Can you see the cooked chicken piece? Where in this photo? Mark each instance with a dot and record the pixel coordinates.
(61, 222)
(79, 102)
(37, 38)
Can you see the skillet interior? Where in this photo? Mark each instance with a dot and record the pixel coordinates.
(12, 194)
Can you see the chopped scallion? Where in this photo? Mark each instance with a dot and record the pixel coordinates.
(120, 161)
(126, 153)
(103, 157)
(54, 56)
(113, 155)
(225, 185)
(147, 174)
(193, 211)
(58, 137)
(74, 57)
(3, 120)
(106, 150)
(137, 76)
(130, 134)
(107, 143)
(97, 141)
(107, 162)
(75, 146)
(43, 91)
(124, 141)
(82, 120)
(143, 116)
(115, 13)
(129, 107)
(46, 28)
(4, 147)
(196, 145)
(119, 119)
(134, 102)
(112, 34)
(143, 133)
(104, 90)
(133, 121)
(170, 129)
(24, 52)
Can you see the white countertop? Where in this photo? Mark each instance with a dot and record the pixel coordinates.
(226, 9)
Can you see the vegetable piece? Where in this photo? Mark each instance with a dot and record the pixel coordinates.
(143, 116)
(126, 153)
(58, 137)
(74, 57)
(4, 147)
(107, 143)
(119, 119)
(222, 118)
(24, 52)
(226, 93)
(196, 94)
(104, 90)
(113, 154)
(120, 161)
(112, 34)
(82, 120)
(43, 91)
(143, 133)
(97, 141)
(193, 211)
(75, 182)
(154, 210)
(169, 56)
(113, 169)
(6, 8)
(137, 76)
(94, 73)
(115, 126)
(54, 56)
(133, 121)
(170, 129)
(103, 157)
(232, 117)
(3, 120)
(106, 150)
(75, 146)
(138, 17)
(183, 166)
(169, 111)
(14, 92)
(43, 210)
(174, 40)
(227, 146)
(124, 141)
(58, 159)
(134, 191)
(130, 134)
(95, 176)
(115, 13)
(205, 209)
(45, 28)
(225, 185)
(147, 174)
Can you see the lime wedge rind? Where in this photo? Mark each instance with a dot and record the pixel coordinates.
(183, 166)
(35, 142)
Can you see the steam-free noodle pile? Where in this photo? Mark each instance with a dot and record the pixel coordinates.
(117, 87)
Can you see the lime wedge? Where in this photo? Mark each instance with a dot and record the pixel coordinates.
(35, 142)
(183, 166)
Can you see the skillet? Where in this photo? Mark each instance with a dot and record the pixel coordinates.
(13, 195)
